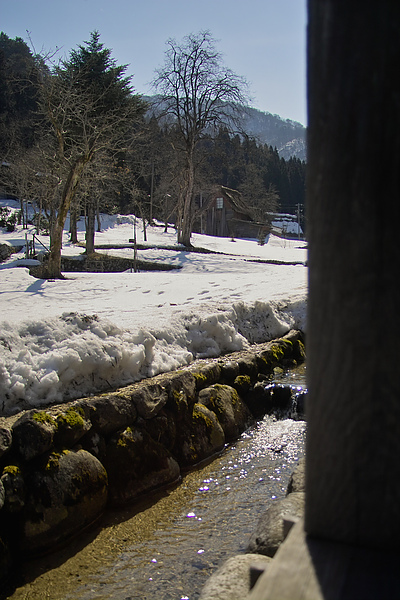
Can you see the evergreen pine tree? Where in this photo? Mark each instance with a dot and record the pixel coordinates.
(92, 111)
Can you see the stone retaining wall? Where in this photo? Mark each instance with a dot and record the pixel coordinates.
(62, 465)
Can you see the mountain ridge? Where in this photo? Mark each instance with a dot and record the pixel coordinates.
(286, 135)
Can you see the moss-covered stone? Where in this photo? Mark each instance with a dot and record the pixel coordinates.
(69, 493)
(143, 432)
(178, 403)
(270, 358)
(73, 418)
(299, 351)
(232, 413)
(242, 384)
(162, 429)
(12, 470)
(248, 365)
(149, 399)
(53, 460)
(181, 389)
(94, 443)
(137, 464)
(207, 375)
(5, 440)
(33, 434)
(229, 371)
(111, 412)
(43, 417)
(14, 488)
(201, 379)
(207, 436)
(71, 427)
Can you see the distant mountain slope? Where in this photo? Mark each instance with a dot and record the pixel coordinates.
(289, 137)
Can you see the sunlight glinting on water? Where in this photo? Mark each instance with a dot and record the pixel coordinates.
(221, 508)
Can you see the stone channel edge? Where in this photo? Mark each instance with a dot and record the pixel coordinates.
(62, 465)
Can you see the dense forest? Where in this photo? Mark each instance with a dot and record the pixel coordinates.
(44, 116)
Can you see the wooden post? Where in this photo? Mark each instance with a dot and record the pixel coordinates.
(353, 445)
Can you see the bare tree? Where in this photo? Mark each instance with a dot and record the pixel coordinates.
(198, 94)
(30, 176)
(91, 110)
(98, 182)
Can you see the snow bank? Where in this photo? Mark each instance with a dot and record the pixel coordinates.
(75, 355)
(61, 340)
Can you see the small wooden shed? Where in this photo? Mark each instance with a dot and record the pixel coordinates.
(226, 215)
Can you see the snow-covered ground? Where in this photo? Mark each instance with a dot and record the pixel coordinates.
(69, 338)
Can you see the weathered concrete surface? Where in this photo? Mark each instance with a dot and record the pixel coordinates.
(297, 481)
(310, 569)
(233, 579)
(271, 531)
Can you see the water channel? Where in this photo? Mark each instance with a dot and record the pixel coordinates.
(168, 548)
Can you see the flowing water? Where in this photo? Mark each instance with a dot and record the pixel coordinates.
(168, 548)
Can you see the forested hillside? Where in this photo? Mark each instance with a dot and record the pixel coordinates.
(289, 137)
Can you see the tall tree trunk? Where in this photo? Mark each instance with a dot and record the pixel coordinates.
(39, 217)
(187, 217)
(144, 227)
(179, 217)
(52, 269)
(98, 216)
(90, 226)
(21, 202)
(73, 223)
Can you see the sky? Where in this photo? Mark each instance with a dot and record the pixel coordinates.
(261, 40)
(62, 339)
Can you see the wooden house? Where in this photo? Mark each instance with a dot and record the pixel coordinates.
(226, 215)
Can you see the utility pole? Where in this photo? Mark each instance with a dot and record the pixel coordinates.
(151, 193)
(134, 246)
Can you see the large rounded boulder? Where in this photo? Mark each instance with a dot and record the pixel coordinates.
(64, 494)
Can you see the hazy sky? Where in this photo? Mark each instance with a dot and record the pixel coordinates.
(262, 40)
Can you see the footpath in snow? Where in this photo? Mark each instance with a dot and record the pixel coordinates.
(70, 338)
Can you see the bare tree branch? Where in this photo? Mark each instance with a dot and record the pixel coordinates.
(197, 94)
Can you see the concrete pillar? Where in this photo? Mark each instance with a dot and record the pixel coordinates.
(353, 340)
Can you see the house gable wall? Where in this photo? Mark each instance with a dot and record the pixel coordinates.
(227, 220)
